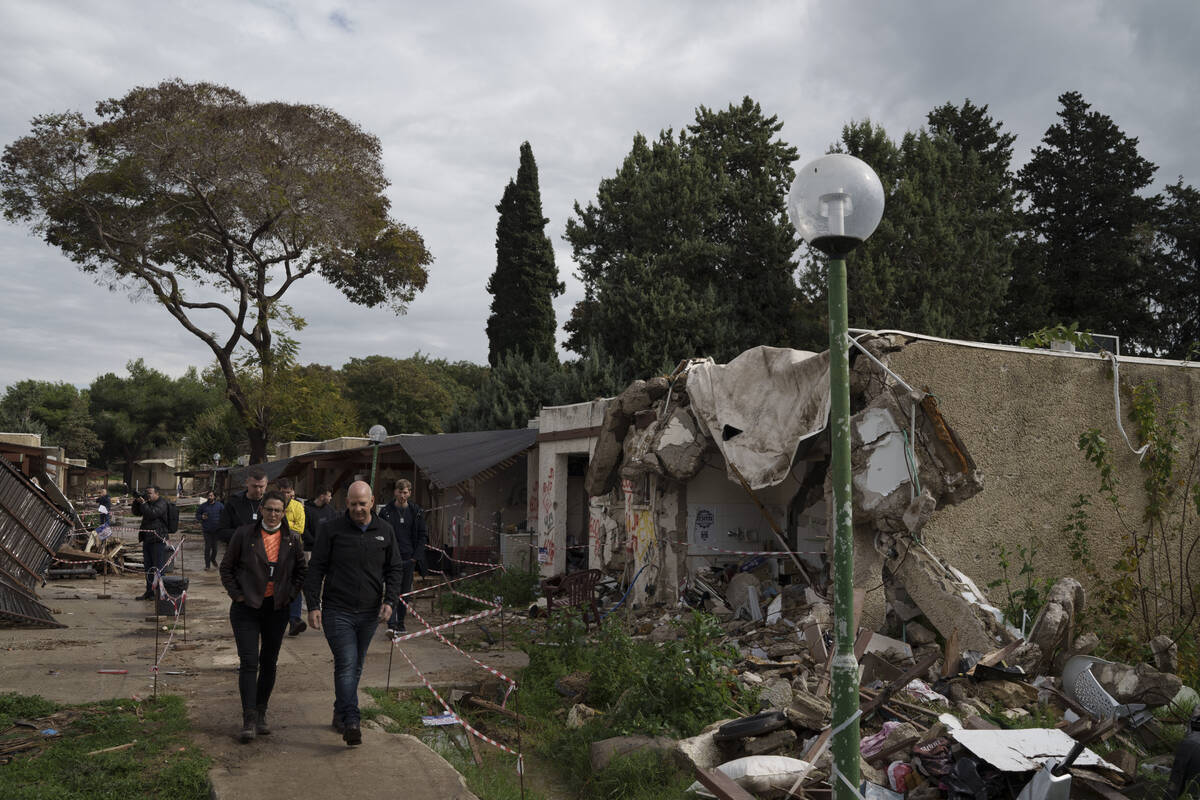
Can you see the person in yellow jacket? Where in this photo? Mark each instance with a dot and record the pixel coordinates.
(293, 511)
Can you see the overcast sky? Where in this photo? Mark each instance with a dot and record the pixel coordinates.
(453, 88)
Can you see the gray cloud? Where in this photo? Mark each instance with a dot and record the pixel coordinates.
(453, 89)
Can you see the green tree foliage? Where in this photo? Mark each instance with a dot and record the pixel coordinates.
(1178, 271)
(147, 409)
(214, 207)
(525, 281)
(941, 259)
(410, 395)
(215, 431)
(57, 410)
(515, 390)
(1088, 259)
(687, 249)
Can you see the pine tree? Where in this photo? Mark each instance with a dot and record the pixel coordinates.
(525, 281)
(1178, 261)
(1089, 259)
(940, 261)
(687, 250)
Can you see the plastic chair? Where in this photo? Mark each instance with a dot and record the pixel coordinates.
(576, 590)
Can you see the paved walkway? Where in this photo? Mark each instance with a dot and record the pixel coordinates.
(303, 757)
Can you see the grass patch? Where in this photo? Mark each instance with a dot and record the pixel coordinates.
(515, 588)
(162, 762)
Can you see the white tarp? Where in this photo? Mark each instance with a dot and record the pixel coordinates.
(1025, 749)
(776, 397)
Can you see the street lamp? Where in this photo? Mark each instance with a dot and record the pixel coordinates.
(377, 435)
(216, 463)
(836, 202)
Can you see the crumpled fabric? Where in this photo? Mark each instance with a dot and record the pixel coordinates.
(759, 407)
(872, 744)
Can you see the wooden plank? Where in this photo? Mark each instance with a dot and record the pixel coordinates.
(953, 654)
(912, 672)
(996, 656)
(721, 785)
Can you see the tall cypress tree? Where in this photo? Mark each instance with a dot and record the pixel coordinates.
(525, 281)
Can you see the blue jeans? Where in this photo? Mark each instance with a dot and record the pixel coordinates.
(348, 634)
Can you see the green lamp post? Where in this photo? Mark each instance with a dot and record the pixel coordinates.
(835, 203)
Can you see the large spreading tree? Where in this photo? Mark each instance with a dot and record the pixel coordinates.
(214, 207)
(687, 250)
(525, 282)
(1089, 256)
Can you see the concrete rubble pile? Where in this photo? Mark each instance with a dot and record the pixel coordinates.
(939, 719)
(955, 702)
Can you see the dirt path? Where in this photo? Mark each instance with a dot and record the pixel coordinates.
(200, 665)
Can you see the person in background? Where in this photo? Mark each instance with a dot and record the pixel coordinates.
(294, 512)
(152, 533)
(352, 584)
(104, 506)
(241, 508)
(408, 522)
(263, 569)
(317, 510)
(209, 517)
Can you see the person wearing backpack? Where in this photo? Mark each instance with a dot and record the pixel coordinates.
(152, 533)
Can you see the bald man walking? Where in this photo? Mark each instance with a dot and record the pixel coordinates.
(353, 580)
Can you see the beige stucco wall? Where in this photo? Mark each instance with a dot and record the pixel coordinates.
(1020, 414)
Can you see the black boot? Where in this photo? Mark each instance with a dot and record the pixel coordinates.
(249, 722)
(260, 723)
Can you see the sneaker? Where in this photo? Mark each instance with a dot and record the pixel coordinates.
(352, 735)
(297, 627)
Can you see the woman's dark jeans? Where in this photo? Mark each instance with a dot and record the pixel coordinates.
(256, 675)
(349, 634)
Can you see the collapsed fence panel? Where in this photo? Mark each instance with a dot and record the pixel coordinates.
(32, 529)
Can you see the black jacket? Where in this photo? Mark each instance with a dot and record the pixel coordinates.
(314, 517)
(411, 533)
(354, 570)
(154, 517)
(238, 511)
(244, 567)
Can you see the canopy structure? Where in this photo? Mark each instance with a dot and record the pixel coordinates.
(451, 458)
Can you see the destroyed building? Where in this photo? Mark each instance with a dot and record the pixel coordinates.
(956, 446)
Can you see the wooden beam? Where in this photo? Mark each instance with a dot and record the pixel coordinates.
(721, 785)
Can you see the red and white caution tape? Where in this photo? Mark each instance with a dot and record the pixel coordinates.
(460, 720)
(512, 684)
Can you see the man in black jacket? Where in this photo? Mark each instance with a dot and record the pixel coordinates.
(152, 534)
(408, 522)
(317, 510)
(352, 583)
(242, 507)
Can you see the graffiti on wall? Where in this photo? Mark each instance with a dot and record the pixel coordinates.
(546, 547)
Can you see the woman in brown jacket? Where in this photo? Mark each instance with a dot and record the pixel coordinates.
(263, 570)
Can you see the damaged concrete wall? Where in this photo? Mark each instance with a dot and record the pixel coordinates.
(1021, 412)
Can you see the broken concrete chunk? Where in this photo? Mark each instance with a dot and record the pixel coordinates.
(918, 634)
(1086, 644)
(1054, 627)
(702, 750)
(1139, 684)
(808, 711)
(946, 601)
(776, 693)
(579, 714)
(1166, 653)
(738, 590)
(605, 750)
(680, 446)
(771, 743)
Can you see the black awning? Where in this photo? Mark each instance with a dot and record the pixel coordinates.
(451, 458)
